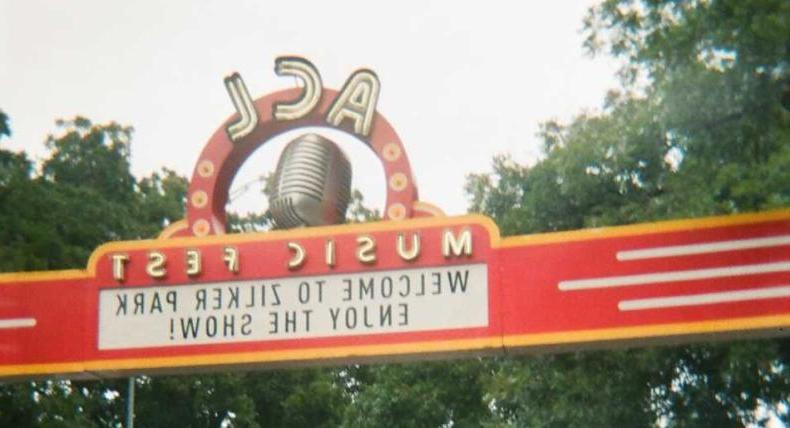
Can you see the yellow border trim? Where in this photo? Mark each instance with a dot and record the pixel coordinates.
(165, 241)
(646, 228)
(308, 354)
(48, 275)
(313, 232)
(653, 331)
(501, 342)
(174, 228)
(506, 343)
(384, 226)
(428, 208)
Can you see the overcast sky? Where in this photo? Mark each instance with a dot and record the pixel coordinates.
(461, 82)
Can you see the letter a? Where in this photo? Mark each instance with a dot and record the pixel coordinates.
(357, 101)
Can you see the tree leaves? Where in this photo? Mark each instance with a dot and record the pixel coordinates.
(4, 128)
(704, 134)
(86, 196)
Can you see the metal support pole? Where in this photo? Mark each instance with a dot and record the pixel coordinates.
(130, 404)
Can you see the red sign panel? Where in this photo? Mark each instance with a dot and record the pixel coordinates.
(384, 290)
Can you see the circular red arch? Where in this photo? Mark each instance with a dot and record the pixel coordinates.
(221, 158)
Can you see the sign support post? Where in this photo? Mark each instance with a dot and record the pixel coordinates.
(130, 402)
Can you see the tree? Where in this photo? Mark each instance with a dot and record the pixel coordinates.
(87, 173)
(698, 128)
(4, 128)
(417, 394)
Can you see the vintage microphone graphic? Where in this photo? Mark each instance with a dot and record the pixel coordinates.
(312, 184)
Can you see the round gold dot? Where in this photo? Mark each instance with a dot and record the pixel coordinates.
(398, 181)
(396, 211)
(205, 168)
(199, 199)
(391, 152)
(201, 228)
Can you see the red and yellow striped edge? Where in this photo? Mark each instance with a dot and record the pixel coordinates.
(645, 228)
(448, 347)
(305, 233)
(410, 348)
(647, 332)
(317, 232)
(240, 358)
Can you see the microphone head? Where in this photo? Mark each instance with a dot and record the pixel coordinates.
(312, 184)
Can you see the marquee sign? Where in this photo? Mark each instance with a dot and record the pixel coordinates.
(416, 285)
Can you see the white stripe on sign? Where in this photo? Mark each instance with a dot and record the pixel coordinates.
(708, 247)
(705, 299)
(17, 323)
(672, 276)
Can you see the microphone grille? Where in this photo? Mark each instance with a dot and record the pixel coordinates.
(312, 183)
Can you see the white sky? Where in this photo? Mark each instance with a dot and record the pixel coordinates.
(461, 82)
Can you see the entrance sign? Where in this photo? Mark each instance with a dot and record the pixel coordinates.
(293, 308)
(672, 281)
(417, 285)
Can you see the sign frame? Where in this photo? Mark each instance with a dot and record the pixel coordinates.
(666, 282)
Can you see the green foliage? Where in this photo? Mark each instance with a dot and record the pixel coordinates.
(60, 404)
(417, 395)
(161, 198)
(659, 37)
(702, 132)
(87, 172)
(308, 397)
(88, 156)
(358, 212)
(305, 397)
(85, 196)
(589, 389)
(5, 129)
(196, 401)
